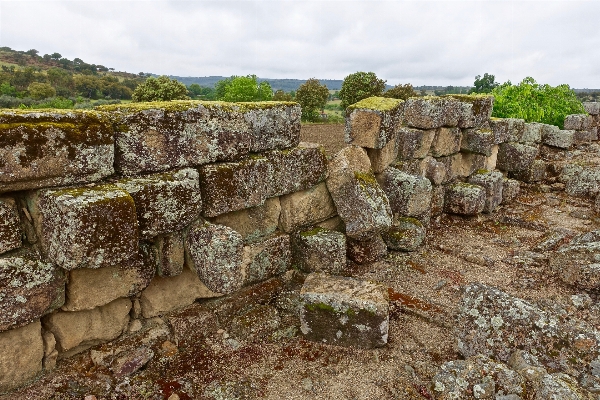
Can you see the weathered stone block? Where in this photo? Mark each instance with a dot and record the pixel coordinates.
(229, 187)
(553, 136)
(578, 122)
(406, 234)
(319, 250)
(475, 110)
(592, 108)
(584, 183)
(414, 143)
(597, 204)
(578, 265)
(412, 167)
(87, 227)
(446, 142)
(471, 162)
(266, 259)
(532, 133)
(215, 253)
(10, 229)
(585, 136)
(493, 183)
(21, 353)
(164, 202)
(306, 208)
(366, 251)
(408, 195)
(437, 200)
(153, 137)
(296, 169)
(29, 288)
(373, 122)
(40, 149)
(359, 199)
(510, 190)
(255, 222)
(492, 160)
(535, 173)
(453, 165)
(165, 294)
(382, 158)
(477, 141)
(333, 224)
(431, 112)
(435, 171)
(344, 311)
(170, 254)
(465, 199)
(507, 129)
(516, 156)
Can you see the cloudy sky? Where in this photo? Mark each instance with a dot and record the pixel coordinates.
(421, 42)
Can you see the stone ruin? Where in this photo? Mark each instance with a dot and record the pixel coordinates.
(129, 212)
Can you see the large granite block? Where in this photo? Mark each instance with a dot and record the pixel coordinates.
(515, 156)
(507, 129)
(10, 229)
(414, 143)
(409, 195)
(477, 141)
(87, 227)
(446, 142)
(306, 208)
(373, 122)
(429, 112)
(272, 124)
(493, 183)
(21, 354)
(578, 122)
(382, 158)
(465, 199)
(266, 259)
(475, 110)
(532, 133)
(535, 173)
(319, 250)
(52, 148)
(471, 162)
(453, 165)
(256, 222)
(553, 136)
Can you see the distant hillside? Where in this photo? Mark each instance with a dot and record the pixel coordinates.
(276, 84)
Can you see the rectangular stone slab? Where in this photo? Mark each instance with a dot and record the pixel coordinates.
(476, 109)
(306, 208)
(267, 258)
(373, 122)
(344, 311)
(41, 148)
(21, 353)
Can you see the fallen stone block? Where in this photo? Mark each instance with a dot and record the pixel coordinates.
(87, 227)
(406, 234)
(229, 187)
(464, 199)
(592, 108)
(53, 148)
(532, 133)
(344, 311)
(373, 122)
(584, 183)
(578, 122)
(408, 195)
(255, 222)
(446, 142)
(170, 254)
(29, 289)
(296, 169)
(475, 109)
(414, 143)
(215, 253)
(319, 250)
(21, 353)
(493, 183)
(306, 208)
(578, 265)
(471, 162)
(553, 136)
(477, 141)
(366, 251)
(165, 202)
(266, 259)
(359, 199)
(510, 190)
(382, 158)
(515, 156)
(10, 229)
(535, 173)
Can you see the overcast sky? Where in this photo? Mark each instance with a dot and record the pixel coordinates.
(418, 42)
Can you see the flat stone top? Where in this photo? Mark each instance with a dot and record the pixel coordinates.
(8, 116)
(185, 105)
(87, 195)
(377, 104)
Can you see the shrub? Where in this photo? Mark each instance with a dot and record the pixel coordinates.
(40, 91)
(312, 97)
(160, 89)
(360, 85)
(243, 88)
(401, 92)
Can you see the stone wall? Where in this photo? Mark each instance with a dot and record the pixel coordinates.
(132, 211)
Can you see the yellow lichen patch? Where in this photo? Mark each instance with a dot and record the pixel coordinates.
(377, 104)
(184, 105)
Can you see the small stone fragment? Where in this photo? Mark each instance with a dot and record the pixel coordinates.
(465, 199)
(406, 234)
(306, 208)
(366, 251)
(408, 195)
(373, 122)
(129, 362)
(493, 183)
(319, 250)
(10, 230)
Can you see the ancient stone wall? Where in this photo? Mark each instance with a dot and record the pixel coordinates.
(129, 212)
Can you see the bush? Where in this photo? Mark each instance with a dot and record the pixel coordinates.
(40, 91)
(312, 97)
(160, 89)
(534, 102)
(401, 92)
(243, 88)
(280, 95)
(360, 85)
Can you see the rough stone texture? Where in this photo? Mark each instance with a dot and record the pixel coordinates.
(437, 200)
(471, 162)
(39, 149)
(532, 133)
(296, 169)
(453, 165)
(373, 122)
(584, 183)
(76, 331)
(414, 143)
(333, 224)
(406, 234)
(431, 112)
(229, 187)
(366, 251)
(267, 258)
(578, 264)
(578, 122)
(165, 294)
(412, 167)
(170, 254)
(153, 137)
(319, 250)
(492, 182)
(510, 190)
(475, 110)
(592, 108)
(465, 199)
(535, 173)
(446, 142)
(507, 129)
(164, 202)
(29, 288)
(495, 324)
(50, 352)
(435, 171)
(359, 199)
(553, 136)
(10, 229)
(382, 158)
(477, 141)
(255, 222)
(88, 227)
(515, 156)
(305, 208)
(492, 160)
(21, 353)
(344, 311)
(585, 136)
(597, 205)
(408, 195)
(215, 253)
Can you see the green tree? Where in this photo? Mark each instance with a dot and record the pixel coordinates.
(40, 91)
(401, 92)
(7, 89)
(194, 90)
(534, 102)
(484, 84)
(160, 89)
(312, 97)
(56, 56)
(243, 88)
(32, 52)
(360, 85)
(280, 95)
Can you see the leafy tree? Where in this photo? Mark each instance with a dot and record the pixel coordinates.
(32, 52)
(243, 88)
(401, 92)
(7, 89)
(40, 91)
(160, 89)
(56, 56)
(312, 97)
(534, 102)
(194, 90)
(360, 85)
(280, 95)
(484, 84)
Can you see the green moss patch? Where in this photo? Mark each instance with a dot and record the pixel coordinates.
(377, 103)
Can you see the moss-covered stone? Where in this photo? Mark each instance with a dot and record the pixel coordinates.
(319, 250)
(431, 112)
(409, 195)
(475, 109)
(373, 122)
(10, 229)
(267, 258)
(464, 199)
(51, 148)
(406, 234)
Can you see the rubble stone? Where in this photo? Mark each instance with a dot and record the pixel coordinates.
(510, 190)
(10, 230)
(409, 195)
(515, 156)
(255, 222)
(366, 251)
(319, 250)
(414, 143)
(344, 311)
(267, 258)
(578, 264)
(477, 141)
(492, 182)
(584, 183)
(465, 199)
(535, 173)
(21, 353)
(406, 234)
(306, 208)
(373, 122)
(553, 136)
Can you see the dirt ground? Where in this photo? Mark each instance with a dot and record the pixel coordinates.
(249, 347)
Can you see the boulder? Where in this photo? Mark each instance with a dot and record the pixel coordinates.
(373, 122)
(319, 250)
(10, 227)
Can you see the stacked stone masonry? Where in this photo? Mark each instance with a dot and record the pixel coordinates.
(133, 211)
